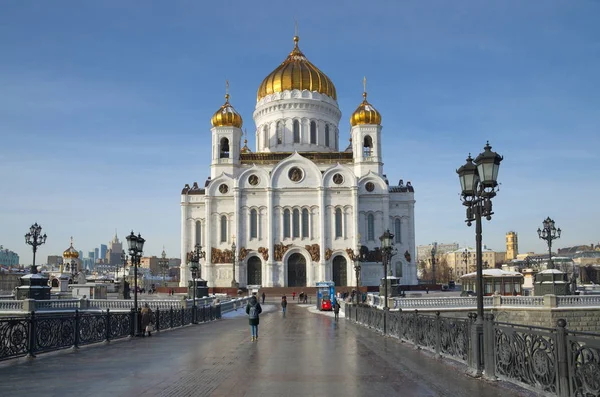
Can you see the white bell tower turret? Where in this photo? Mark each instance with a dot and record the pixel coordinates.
(226, 139)
(366, 137)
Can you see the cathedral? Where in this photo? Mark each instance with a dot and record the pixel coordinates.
(297, 210)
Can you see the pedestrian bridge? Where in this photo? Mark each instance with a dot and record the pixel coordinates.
(309, 353)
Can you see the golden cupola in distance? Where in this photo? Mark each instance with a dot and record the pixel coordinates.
(71, 253)
(365, 113)
(296, 73)
(226, 116)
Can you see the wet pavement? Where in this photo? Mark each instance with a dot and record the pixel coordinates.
(304, 354)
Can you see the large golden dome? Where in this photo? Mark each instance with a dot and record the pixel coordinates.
(365, 113)
(226, 116)
(296, 73)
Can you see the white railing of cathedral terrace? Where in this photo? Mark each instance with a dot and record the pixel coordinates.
(488, 301)
(29, 305)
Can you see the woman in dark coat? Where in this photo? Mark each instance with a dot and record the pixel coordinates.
(253, 310)
(146, 321)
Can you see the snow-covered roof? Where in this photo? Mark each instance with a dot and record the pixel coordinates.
(494, 273)
(548, 271)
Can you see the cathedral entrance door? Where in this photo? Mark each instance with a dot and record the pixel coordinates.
(339, 271)
(254, 271)
(296, 271)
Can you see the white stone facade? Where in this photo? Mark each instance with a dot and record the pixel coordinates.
(296, 207)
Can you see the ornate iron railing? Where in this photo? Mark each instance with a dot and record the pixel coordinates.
(554, 361)
(36, 333)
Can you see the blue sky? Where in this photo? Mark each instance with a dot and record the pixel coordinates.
(105, 107)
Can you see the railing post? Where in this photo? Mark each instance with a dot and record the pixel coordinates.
(157, 319)
(108, 324)
(182, 316)
(416, 329)
(438, 334)
(132, 322)
(31, 336)
(489, 347)
(172, 316)
(562, 350)
(76, 330)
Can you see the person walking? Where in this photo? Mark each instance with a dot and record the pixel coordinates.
(263, 298)
(253, 310)
(336, 310)
(294, 295)
(147, 320)
(283, 304)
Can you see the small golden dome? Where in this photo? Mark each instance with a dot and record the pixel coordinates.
(365, 113)
(245, 149)
(296, 73)
(71, 253)
(226, 116)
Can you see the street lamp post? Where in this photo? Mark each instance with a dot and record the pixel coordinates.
(195, 257)
(387, 251)
(466, 255)
(549, 233)
(359, 256)
(433, 252)
(35, 239)
(478, 180)
(136, 248)
(234, 283)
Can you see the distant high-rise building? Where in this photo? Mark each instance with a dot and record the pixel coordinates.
(54, 260)
(114, 251)
(103, 251)
(512, 246)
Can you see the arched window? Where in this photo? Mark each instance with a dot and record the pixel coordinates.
(253, 224)
(198, 233)
(367, 147)
(279, 133)
(223, 229)
(296, 223)
(336, 139)
(305, 224)
(338, 223)
(296, 131)
(327, 135)
(313, 132)
(370, 227)
(286, 223)
(224, 148)
(398, 230)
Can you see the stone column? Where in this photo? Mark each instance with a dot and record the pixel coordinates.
(269, 268)
(208, 231)
(320, 273)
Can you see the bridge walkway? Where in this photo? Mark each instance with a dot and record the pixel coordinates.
(304, 354)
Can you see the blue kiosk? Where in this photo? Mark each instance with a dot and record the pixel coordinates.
(325, 290)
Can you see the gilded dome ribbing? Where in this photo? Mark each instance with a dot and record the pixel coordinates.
(296, 73)
(365, 113)
(226, 116)
(71, 253)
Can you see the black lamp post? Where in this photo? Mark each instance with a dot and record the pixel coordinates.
(478, 181)
(195, 257)
(35, 239)
(136, 248)
(359, 256)
(387, 251)
(433, 253)
(549, 233)
(234, 283)
(466, 256)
